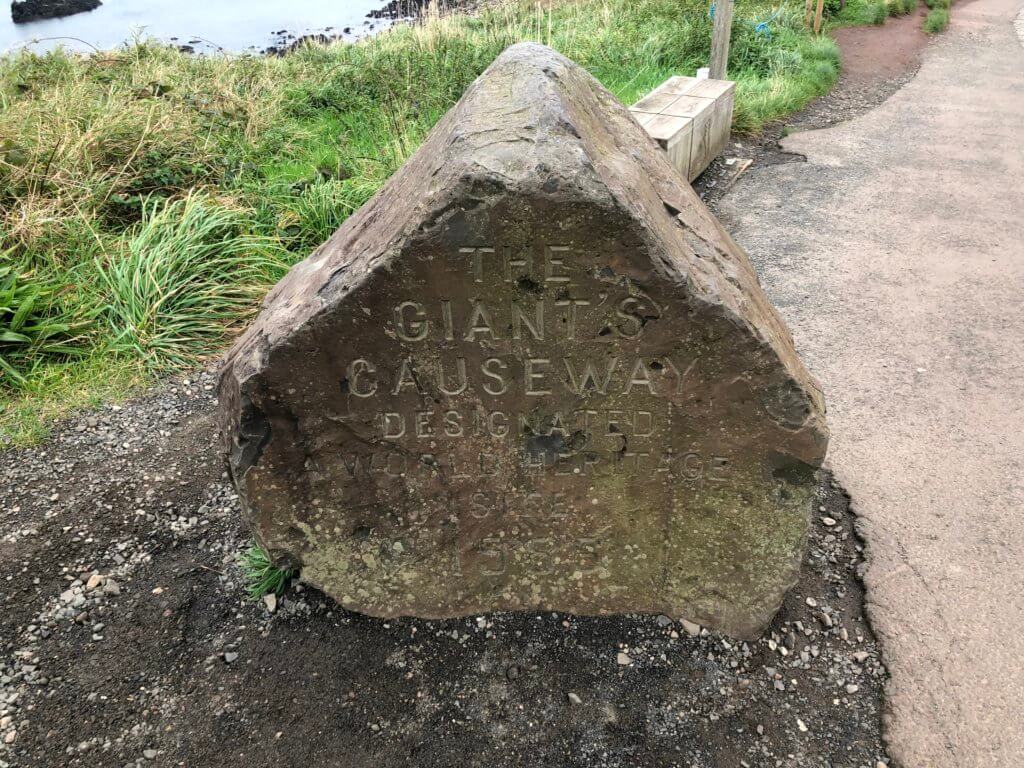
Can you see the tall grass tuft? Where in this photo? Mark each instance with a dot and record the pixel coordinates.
(188, 273)
(33, 326)
(936, 20)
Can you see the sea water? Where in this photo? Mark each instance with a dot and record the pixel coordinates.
(205, 25)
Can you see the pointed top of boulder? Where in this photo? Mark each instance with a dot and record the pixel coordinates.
(536, 123)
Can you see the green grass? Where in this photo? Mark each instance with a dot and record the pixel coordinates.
(936, 20)
(902, 7)
(33, 320)
(937, 3)
(261, 576)
(857, 13)
(53, 388)
(151, 197)
(181, 278)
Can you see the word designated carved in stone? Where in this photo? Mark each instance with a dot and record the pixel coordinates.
(533, 372)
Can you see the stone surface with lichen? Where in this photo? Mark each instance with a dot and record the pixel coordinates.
(533, 372)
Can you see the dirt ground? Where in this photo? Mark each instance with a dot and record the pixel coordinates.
(127, 638)
(876, 62)
(161, 660)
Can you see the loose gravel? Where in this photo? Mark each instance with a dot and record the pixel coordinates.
(127, 640)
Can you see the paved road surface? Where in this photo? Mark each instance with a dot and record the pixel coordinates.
(896, 254)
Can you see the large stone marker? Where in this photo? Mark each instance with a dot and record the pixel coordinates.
(533, 372)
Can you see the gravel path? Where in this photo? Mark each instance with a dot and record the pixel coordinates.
(876, 62)
(895, 255)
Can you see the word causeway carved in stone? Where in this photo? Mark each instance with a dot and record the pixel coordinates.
(533, 372)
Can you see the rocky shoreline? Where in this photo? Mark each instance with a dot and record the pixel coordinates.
(282, 41)
(394, 11)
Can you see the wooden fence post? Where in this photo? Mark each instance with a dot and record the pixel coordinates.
(720, 39)
(817, 17)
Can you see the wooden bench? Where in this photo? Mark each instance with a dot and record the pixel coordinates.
(690, 118)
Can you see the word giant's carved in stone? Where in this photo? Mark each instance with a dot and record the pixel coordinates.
(533, 372)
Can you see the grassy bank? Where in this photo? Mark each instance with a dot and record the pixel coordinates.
(149, 198)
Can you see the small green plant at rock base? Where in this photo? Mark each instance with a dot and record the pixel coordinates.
(936, 20)
(262, 577)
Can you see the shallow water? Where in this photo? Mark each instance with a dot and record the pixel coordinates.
(207, 25)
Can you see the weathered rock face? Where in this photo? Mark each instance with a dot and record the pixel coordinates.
(532, 372)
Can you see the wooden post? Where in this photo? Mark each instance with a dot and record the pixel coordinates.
(817, 17)
(720, 39)
(808, 12)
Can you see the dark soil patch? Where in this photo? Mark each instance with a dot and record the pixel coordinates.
(876, 62)
(23, 11)
(164, 662)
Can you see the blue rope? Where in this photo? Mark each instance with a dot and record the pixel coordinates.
(761, 27)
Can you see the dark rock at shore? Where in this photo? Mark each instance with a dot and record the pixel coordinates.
(33, 10)
(399, 9)
(289, 42)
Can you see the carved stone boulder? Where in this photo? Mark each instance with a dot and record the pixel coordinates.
(533, 372)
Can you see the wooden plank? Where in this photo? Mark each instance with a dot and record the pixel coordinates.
(702, 146)
(644, 118)
(718, 129)
(690, 118)
(663, 128)
(817, 17)
(720, 39)
(656, 100)
(679, 84)
(687, 106)
(710, 89)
